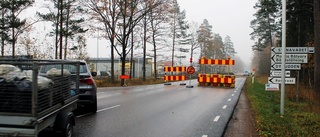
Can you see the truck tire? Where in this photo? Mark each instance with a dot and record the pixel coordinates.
(68, 130)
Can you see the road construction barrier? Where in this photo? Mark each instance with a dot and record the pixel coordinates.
(174, 77)
(216, 80)
(204, 61)
(175, 69)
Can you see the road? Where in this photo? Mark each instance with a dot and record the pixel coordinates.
(160, 111)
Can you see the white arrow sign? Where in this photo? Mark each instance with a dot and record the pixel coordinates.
(290, 58)
(287, 67)
(299, 50)
(273, 80)
(277, 73)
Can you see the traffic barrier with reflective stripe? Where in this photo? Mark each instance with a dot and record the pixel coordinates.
(174, 78)
(216, 61)
(216, 80)
(175, 69)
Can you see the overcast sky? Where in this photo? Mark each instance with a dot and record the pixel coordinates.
(227, 17)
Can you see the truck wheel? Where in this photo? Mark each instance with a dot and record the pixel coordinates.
(68, 130)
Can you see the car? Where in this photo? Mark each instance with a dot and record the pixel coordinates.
(87, 86)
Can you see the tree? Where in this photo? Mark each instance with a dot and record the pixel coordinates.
(4, 29)
(316, 14)
(205, 37)
(11, 9)
(68, 22)
(228, 48)
(178, 25)
(119, 19)
(158, 17)
(266, 24)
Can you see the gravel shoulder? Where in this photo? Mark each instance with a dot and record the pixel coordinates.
(242, 123)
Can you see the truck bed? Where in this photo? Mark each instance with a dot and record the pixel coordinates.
(30, 101)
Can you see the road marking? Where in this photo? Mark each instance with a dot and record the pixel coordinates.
(232, 95)
(229, 99)
(205, 136)
(224, 107)
(108, 108)
(216, 119)
(180, 88)
(235, 91)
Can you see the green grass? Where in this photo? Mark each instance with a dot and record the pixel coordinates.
(298, 119)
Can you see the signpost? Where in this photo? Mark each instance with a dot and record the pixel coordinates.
(287, 66)
(277, 73)
(190, 71)
(299, 50)
(290, 58)
(273, 80)
(272, 87)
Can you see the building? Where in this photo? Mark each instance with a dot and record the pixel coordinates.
(103, 67)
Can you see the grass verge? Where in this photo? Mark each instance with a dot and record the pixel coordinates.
(298, 118)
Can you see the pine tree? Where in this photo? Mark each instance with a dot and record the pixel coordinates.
(68, 22)
(266, 25)
(10, 21)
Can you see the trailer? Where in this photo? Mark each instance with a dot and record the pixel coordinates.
(31, 102)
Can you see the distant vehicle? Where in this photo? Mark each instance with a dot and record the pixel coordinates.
(246, 73)
(87, 87)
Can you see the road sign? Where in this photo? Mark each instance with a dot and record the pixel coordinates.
(272, 87)
(190, 70)
(277, 73)
(273, 80)
(290, 58)
(124, 77)
(299, 50)
(287, 67)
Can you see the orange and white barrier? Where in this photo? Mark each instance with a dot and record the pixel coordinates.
(216, 61)
(175, 69)
(217, 80)
(174, 78)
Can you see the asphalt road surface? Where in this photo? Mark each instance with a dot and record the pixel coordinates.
(160, 111)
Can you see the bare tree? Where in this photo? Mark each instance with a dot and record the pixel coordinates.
(119, 18)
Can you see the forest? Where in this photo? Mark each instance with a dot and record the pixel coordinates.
(302, 30)
(151, 28)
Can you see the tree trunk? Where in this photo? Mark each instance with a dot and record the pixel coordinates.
(57, 35)
(2, 33)
(61, 27)
(144, 48)
(131, 58)
(67, 30)
(316, 13)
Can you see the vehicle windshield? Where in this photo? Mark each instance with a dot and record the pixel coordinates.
(70, 67)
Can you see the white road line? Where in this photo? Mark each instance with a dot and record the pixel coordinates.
(229, 99)
(224, 107)
(235, 91)
(205, 136)
(108, 108)
(180, 88)
(216, 119)
(232, 94)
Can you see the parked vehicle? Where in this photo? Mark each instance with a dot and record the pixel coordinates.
(87, 86)
(30, 103)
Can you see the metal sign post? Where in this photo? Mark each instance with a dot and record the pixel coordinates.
(190, 71)
(283, 61)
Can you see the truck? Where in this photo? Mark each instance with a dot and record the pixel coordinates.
(30, 102)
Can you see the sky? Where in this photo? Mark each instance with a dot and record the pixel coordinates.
(227, 17)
